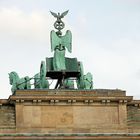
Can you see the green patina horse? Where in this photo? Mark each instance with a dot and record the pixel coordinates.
(40, 82)
(18, 83)
(84, 81)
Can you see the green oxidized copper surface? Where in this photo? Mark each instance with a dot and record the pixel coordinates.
(40, 81)
(71, 65)
(59, 45)
(65, 70)
(43, 81)
(18, 83)
(84, 81)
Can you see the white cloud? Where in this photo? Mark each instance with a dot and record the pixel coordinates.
(24, 38)
(20, 25)
(114, 66)
(24, 42)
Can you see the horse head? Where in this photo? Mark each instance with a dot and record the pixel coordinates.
(13, 77)
(88, 83)
(88, 76)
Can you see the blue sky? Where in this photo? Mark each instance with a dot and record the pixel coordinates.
(106, 38)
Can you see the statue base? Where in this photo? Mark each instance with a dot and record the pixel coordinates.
(93, 114)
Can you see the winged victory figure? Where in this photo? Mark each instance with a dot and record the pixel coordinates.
(59, 43)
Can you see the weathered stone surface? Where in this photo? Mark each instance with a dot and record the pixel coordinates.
(7, 117)
(133, 119)
(71, 112)
(94, 92)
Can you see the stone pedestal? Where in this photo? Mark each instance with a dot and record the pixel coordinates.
(61, 111)
(89, 114)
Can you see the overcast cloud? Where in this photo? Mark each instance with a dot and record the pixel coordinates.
(106, 38)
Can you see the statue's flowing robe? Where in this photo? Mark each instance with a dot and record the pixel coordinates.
(59, 58)
(59, 45)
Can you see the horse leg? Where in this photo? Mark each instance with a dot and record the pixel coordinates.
(27, 83)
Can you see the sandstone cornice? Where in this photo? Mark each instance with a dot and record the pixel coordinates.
(70, 96)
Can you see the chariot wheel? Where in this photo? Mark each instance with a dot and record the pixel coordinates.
(43, 70)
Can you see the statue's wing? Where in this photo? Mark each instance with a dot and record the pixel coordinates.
(54, 14)
(64, 14)
(55, 40)
(66, 40)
